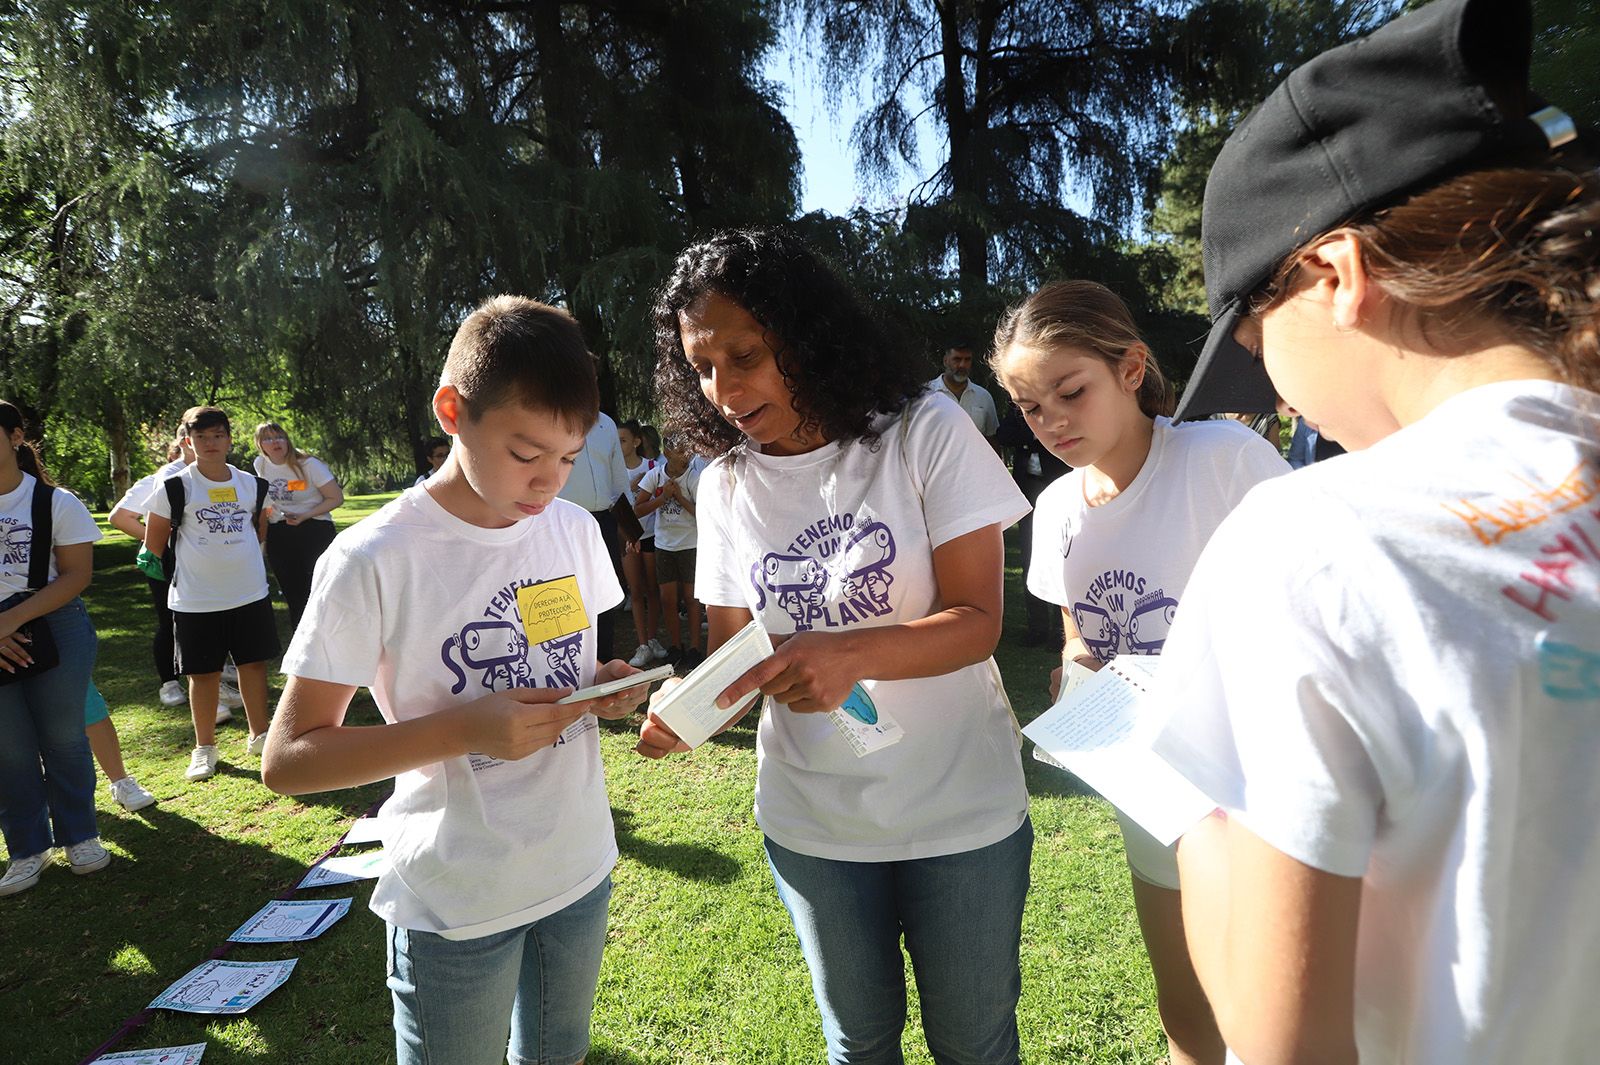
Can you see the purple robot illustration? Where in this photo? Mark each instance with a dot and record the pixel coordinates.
(868, 553)
(797, 582)
(498, 648)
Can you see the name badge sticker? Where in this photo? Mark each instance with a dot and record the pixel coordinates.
(229, 494)
(552, 609)
(295, 486)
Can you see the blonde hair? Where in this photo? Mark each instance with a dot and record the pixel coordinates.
(1087, 316)
(297, 457)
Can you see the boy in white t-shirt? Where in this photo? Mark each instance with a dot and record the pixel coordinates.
(468, 607)
(219, 598)
(668, 491)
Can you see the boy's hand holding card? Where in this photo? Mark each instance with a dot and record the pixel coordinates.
(618, 689)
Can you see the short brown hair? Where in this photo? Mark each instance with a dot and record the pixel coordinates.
(198, 418)
(516, 350)
(1090, 317)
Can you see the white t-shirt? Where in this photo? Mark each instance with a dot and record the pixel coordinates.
(676, 528)
(599, 476)
(976, 401)
(288, 492)
(1388, 667)
(1121, 567)
(841, 537)
(648, 521)
(421, 607)
(219, 556)
(139, 492)
(70, 522)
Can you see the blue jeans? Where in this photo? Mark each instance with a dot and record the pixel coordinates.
(455, 1000)
(46, 771)
(961, 915)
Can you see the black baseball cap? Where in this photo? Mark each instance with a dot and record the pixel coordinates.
(1434, 93)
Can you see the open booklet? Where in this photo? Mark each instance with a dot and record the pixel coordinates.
(1101, 730)
(690, 709)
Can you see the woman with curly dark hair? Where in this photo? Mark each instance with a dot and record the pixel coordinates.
(860, 517)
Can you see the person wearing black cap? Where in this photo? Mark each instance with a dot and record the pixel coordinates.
(1402, 244)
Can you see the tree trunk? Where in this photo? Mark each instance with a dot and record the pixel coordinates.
(116, 422)
(966, 192)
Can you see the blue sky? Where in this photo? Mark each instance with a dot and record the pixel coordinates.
(830, 182)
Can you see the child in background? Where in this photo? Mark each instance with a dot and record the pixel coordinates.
(1114, 541)
(1386, 672)
(107, 748)
(438, 449)
(128, 517)
(639, 557)
(667, 492)
(220, 601)
(468, 606)
(304, 495)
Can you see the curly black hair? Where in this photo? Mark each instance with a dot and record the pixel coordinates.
(841, 364)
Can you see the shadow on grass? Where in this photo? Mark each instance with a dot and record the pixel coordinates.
(688, 860)
(602, 1054)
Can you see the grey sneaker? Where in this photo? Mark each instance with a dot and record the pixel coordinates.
(657, 649)
(641, 655)
(88, 857)
(130, 796)
(228, 695)
(23, 873)
(224, 715)
(202, 763)
(172, 694)
(255, 745)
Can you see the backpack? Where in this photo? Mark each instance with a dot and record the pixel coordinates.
(175, 501)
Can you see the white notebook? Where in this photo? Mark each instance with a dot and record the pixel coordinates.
(1101, 730)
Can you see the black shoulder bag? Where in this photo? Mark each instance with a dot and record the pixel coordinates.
(42, 647)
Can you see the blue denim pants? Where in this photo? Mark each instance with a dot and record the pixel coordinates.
(46, 771)
(455, 1000)
(961, 916)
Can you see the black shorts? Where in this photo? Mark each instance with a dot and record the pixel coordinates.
(249, 633)
(647, 544)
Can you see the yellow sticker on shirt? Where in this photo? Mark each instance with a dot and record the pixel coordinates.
(224, 495)
(295, 486)
(551, 610)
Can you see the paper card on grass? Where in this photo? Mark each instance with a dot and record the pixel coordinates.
(365, 830)
(346, 868)
(224, 986)
(282, 921)
(1101, 731)
(690, 708)
(865, 727)
(185, 1055)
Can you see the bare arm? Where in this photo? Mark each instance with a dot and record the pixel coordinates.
(157, 530)
(1274, 945)
(309, 748)
(127, 522)
(1073, 649)
(332, 499)
(813, 672)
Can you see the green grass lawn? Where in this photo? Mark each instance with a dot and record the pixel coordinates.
(702, 966)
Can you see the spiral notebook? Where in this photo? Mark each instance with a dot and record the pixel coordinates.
(1101, 730)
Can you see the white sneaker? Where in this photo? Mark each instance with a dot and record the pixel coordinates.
(657, 649)
(130, 796)
(172, 694)
(229, 696)
(230, 674)
(88, 857)
(255, 745)
(202, 763)
(23, 873)
(641, 655)
(224, 715)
